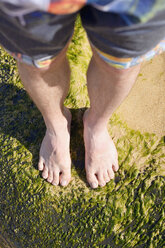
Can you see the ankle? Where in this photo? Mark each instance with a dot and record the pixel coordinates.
(57, 125)
(94, 123)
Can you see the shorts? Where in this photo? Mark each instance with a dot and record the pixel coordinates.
(123, 32)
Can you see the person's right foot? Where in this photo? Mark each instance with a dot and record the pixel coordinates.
(101, 159)
(54, 161)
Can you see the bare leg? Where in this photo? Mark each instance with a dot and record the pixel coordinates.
(107, 88)
(48, 89)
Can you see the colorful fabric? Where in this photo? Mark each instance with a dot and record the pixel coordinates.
(143, 9)
(124, 63)
(123, 32)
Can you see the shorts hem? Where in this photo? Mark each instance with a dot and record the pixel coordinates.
(39, 63)
(125, 63)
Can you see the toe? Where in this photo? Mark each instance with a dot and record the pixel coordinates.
(92, 180)
(65, 177)
(101, 179)
(55, 177)
(106, 177)
(111, 173)
(45, 172)
(50, 176)
(41, 164)
(115, 165)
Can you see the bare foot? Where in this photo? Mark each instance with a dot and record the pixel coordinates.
(54, 158)
(101, 159)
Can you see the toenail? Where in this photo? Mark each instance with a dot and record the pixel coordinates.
(64, 183)
(102, 185)
(55, 184)
(94, 185)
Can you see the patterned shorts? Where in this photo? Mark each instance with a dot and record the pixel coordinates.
(123, 32)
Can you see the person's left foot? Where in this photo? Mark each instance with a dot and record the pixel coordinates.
(101, 159)
(55, 161)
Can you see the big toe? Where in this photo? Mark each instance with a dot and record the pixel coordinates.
(92, 180)
(41, 164)
(45, 172)
(65, 177)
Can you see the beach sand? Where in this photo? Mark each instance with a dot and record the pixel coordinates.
(144, 108)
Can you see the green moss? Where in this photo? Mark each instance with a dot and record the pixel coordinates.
(127, 212)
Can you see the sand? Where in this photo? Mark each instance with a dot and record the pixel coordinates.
(144, 108)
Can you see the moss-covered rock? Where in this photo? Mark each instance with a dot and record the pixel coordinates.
(127, 212)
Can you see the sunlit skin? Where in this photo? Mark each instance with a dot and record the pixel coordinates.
(107, 88)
